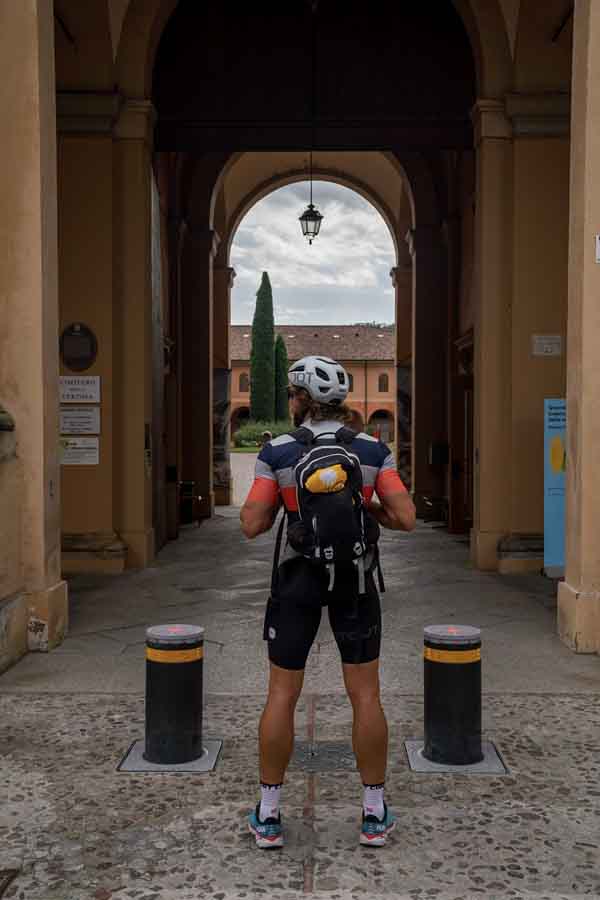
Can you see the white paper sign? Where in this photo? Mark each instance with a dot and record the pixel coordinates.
(80, 451)
(80, 389)
(80, 420)
(546, 344)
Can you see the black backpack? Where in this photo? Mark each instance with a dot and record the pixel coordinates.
(332, 527)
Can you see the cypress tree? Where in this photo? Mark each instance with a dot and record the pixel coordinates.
(262, 374)
(282, 413)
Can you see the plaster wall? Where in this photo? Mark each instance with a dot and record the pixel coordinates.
(85, 174)
(540, 260)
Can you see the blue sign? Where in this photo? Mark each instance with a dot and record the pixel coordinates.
(555, 464)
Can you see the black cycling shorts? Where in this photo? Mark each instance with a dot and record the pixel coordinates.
(292, 620)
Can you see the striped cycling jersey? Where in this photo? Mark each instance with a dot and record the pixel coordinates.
(274, 474)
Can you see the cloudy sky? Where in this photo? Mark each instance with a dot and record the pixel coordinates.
(342, 278)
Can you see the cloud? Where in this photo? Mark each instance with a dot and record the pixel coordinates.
(343, 277)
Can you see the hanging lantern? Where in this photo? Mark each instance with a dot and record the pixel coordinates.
(311, 222)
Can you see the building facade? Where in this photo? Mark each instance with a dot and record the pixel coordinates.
(366, 352)
(137, 143)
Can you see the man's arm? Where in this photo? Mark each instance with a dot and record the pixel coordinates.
(258, 513)
(396, 511)
(257, 517)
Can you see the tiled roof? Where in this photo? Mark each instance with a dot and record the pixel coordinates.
(342, 342)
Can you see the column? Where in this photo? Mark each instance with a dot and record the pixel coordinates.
(579, 594)
(29, 318)
(199, 249)
(402, 282)
(222, 283)
(492, 339)
(429, 335)
(133, 451)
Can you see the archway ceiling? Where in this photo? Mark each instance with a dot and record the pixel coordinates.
(229, 77)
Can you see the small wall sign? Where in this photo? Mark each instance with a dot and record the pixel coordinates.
(80, 420)
(80, 451)
(80, 389)
(547, 345)
(78, 347)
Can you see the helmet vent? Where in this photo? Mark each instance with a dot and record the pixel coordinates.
(297, 369)
(341, 378)
(322, 374)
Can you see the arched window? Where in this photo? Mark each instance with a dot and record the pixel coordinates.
(384, 383)
(244, 383)
(350, 383)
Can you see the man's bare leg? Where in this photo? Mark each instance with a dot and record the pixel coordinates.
(369, 729)
(276, 730)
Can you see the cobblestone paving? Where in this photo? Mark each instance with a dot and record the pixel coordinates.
(79, 830)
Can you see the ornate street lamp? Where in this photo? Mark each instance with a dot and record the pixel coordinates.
(311, 218)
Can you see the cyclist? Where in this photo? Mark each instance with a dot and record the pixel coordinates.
(318, 387)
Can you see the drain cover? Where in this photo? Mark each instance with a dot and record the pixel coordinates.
(323, 756)
(6, 876)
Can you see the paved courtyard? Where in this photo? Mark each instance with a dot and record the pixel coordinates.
(76, 829)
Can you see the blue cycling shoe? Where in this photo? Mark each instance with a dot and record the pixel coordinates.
(268, 834)
(374, 831)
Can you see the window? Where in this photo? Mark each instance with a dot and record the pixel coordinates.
(244, 383)
(384, 383)
(350, 383)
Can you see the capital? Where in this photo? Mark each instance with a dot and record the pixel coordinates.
(136, 121)
(546, 114)
(490, 121)
(87, 112)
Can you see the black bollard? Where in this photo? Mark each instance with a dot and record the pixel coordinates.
(174, 661)
(452, 672)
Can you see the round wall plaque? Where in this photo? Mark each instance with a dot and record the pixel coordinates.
(78, 347)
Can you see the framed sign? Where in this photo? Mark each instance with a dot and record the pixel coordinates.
(80, 420)
(547, 345)
(80, 451)
(80, 389)
(78, 347)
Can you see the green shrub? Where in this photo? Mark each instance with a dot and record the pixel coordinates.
(251, 434)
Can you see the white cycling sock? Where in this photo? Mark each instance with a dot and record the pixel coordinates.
(373, 800)
(269, 801)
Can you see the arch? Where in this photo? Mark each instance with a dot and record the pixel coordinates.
(239, 416)
(294, 177)
(142, 28)
(144, 21)
(486, 27)
(382, 421)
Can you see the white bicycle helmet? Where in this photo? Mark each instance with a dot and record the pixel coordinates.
(323, 378)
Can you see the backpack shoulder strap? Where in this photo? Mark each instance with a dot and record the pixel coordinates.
(276, 556)
(345, 435)
(303, 436)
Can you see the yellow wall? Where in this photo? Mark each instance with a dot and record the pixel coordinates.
(539, 307)
(86, 276)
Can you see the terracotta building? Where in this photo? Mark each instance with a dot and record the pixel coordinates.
(138, 135)
(367, 353)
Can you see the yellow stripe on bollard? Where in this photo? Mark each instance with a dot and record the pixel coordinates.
(452, 656)
(174, 656)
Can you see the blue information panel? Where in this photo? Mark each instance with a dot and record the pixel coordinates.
(555, 464)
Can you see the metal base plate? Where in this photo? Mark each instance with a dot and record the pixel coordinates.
(491, 764)
(323, 756)
(134, 761)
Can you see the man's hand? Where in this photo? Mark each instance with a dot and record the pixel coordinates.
(257, 517)
(396, 511)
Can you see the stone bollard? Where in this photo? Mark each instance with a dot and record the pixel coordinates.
(452, 699)
(174, 670)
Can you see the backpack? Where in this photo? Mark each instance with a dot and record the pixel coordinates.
(332, 527)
